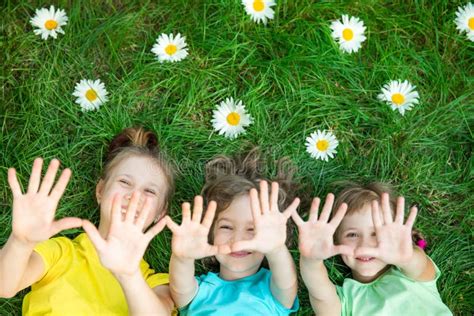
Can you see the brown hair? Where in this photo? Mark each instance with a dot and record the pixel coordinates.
(136, 141)
(228, 178)
(357, 195)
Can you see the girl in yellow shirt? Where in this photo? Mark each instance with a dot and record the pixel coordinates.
(72, 276)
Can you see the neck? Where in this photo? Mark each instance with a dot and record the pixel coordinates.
(230, 275)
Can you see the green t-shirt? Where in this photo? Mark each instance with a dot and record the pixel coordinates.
(392, 293)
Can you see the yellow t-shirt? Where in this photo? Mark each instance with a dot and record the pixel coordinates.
(76, 283)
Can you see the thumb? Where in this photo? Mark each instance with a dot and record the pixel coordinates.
(344, 250)
(156, 229)
(366, 252)
(96, 239)
(243, 245)
(65, 223)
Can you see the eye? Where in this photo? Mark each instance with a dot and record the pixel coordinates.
(225, 227)
(124, 181)
(250, 229)
(150, 191)
(352, 235)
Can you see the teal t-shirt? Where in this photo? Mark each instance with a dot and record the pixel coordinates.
(392, 293)
(247, 296)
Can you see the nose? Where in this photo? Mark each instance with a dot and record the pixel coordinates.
(368, 241)
(239, 235)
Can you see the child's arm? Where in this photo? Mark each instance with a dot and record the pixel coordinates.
(270, 238)
(394, 240)
(316, 244)
(190, 242)
(122, 251)
(33, 222)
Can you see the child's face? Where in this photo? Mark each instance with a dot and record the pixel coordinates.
(357, 230)
(234, 224)
(132, 174)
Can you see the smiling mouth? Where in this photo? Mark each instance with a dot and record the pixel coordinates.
(365, 259)
(239, 254)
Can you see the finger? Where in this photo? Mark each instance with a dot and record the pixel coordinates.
(132, 207)
(156, 229)
(412, 216)
(212, 250)
(49, 177)
(243, 245)
(35, 176)
(376, 218)
(336, 220)
(224, 249)
(386, 212)
(264, 202)
(291, 208)
(313, 211)
(65, 223)
(60, 187)
(210, 213)
(186, 213)
(366, 252)
(400, 210)
(96, 239)
(344, 250)
(297, 218)
(255, 205)
(324, 216)
(274, 195)
(142, 214)
(116, 212)
(197, 210)
(171, 224)
(13, 182)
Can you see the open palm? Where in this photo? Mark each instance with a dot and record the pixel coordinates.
(269, 222)
(394, 242)
(316, 236)
(190, 239)
(124, 246)
(34, 211)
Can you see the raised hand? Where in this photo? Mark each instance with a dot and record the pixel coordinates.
(34, 211)
(316, 236)
(394, 242)
(190, 239)
(123, 248)
(269, 222)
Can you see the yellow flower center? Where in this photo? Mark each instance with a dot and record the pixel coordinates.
(258, 5)
(398, 99)
(347, 34)
(233, 118)
(50, 25)
(171, 49)
(471, 23)
(322, 145)
(91, 95)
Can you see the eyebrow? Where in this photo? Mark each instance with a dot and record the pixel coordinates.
(229, 220)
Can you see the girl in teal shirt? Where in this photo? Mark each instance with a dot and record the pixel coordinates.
(241, 228)
(391, 276)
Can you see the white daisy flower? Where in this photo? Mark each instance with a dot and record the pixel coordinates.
(90, 94)
(259, 10)
(170, 48)
(401, 96)
(349, 33)
(321, 145)
(49, 22)
(230, 118)
(465, 20)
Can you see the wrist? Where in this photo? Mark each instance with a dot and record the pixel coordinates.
(276, 252)
(182, 259)
(21, 243)
(128, 278)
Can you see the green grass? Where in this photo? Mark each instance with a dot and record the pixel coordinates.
(292, 79)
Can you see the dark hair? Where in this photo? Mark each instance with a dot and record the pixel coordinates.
(136, 141)
(228, 178)
(357, 195)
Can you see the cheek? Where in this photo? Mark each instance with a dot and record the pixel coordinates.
(220, 237)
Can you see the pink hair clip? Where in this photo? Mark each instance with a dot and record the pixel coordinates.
(422, 244)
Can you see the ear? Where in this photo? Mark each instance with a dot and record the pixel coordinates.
(99, 190)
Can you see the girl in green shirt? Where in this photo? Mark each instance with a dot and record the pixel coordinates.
(391, 276)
